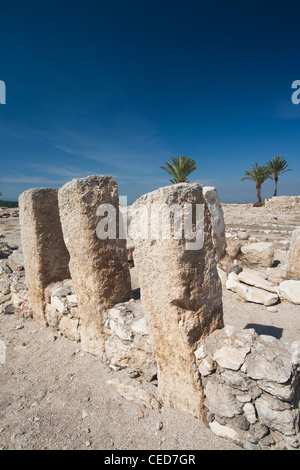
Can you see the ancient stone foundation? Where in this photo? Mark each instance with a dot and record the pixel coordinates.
(251, 387)
(283, 203)
(45, 255)
(244, 386)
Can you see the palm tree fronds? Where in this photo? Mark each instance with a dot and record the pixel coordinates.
(180, 168)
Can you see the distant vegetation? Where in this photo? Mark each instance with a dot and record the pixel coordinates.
(277, 167)
(9, 204)
(258, 174)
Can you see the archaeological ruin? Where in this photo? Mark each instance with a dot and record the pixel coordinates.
(170, 330)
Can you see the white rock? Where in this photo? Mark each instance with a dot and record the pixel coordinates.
(290, 290)
(257, 281)
(140, 327)
(252, 294)
(199, 353)
(261, 253)
(206, 367)
(72, 299)
(230, 357)
(123, 331)
(58, 304)
(243, 235)
(250, 413)
(224, 431)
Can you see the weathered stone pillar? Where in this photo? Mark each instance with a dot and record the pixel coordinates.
(181, 292)
(293, 271)
(99, 267)
(46, 257)
(218, 225)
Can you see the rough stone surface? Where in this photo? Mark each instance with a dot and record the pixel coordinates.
(128, 342)
(290, 290)
(182, 298)
(136, 394)
(257, 281)
(218, 225)
(45, 255)
(252, 392)
(293, 271)
(261, 253)
(252, 294)
(98, 267)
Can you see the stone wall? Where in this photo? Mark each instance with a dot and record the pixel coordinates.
(251, 388)
(283, 203)
(62, 312)
(293, 271)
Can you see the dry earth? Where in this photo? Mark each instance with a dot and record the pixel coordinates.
(53, 396)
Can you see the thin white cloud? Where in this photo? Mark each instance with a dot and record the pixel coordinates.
(28, 179)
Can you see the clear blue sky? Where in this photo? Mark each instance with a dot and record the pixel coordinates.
(118, 87)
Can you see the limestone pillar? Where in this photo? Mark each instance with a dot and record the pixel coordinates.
(45, 255)
(98, 266)
(293, 271)
(180, 289)
(218, 225)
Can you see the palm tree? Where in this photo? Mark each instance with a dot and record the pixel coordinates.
(277, 167)
(259, 174)
(181, 168)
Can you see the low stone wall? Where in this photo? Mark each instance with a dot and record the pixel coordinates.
(283, 203)
(128, 344)
(251, 388)
(62, 309)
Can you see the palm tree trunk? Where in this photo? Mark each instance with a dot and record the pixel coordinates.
(258, 188)
(275, 192)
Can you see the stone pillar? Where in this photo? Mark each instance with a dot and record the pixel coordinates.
(293, 271)
(46, 257)
(218, 225)
(99, 267)
(181, 292)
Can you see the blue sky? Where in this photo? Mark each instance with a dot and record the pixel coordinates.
(119, 87)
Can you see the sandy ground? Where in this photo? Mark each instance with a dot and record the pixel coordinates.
(54, 396)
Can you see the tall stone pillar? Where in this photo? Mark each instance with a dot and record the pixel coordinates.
(98, 266)
(46, 257)
(293, 271)
(218, 224)
(180, 287)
